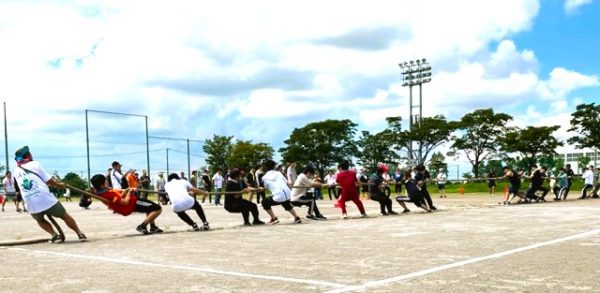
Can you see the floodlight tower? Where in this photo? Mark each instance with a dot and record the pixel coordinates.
(415, 72)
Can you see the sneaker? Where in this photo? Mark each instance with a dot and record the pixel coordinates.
(557, 199)
(19, 210)
(433, 208)
(258, 222)
(384, 214)
(205, 226)
(274, 221)
(363, 216)
(142, 229)
(595, 196)
(57, 238)
(154, 229)
(25, 211)
(311, 217)
(344, 217)
(82, 237)
(245, 224)
(297, 220)
(406, 211)
(321, 217)
(196, 228)
(392, 213)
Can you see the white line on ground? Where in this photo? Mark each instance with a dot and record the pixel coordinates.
(461, 263)
(188, 268)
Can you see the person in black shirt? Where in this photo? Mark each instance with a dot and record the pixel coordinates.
(145, 183)
(570, 175)
(376, 192)
(414, 195)
(537, 180)
(207, 186)
(235, 203)
(422, 178)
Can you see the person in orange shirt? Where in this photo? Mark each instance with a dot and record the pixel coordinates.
(125, 202)
(132, 180)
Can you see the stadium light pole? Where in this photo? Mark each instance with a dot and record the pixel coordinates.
(87, 136)
(187, 140)
(415, 72)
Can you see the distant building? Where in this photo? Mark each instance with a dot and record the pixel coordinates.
(572, 156)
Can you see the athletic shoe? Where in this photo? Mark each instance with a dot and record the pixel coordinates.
(363, 216)
(205, 226)
(245, 224)
(581, 197)
(384, 214)
(57, 238)
(274, 221)
(196, 228)
(142, 229)
(154, 229)
(406, 211)
(595, 196)
(393, 213)
(297, 220)
(321, 217)
(311, 217)
(258, 222)
(25, 211)
(82, 237)
(433, 208)
(556, 199)
(344, 217)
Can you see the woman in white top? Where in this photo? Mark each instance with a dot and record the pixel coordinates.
(441, 182)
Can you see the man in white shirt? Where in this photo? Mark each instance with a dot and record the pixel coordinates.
(218, 184)
(441, 182)
(280, 193)
(9, 191)
(181, 200)
(33, 183)
(588, 177)
(330, 180)
(116, 176)
(300, 197)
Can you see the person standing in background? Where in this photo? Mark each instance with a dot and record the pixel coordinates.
(217, 181)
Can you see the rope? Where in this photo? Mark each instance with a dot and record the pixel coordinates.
(87, 193)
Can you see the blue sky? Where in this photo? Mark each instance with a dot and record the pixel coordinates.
(261, 69)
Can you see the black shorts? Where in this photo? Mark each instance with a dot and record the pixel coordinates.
(268, 202)
(146, 206)
(441, 186)
(491, 184)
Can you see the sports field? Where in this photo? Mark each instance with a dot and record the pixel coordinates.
(470, 245)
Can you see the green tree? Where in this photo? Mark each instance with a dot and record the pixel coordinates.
(436, 163)
(481, 129)
(530, 142)
(245, 154)
(218, 150)
(585, 121)
(553, 163)
(430, 133)
(323, 143)
(374, 149)
(398, 138)
(582, 162)
(74, 180)
(493, 166)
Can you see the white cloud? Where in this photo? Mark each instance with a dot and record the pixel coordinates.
(563, 81)
(571, 6)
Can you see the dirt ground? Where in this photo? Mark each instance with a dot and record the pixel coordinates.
(471, 244)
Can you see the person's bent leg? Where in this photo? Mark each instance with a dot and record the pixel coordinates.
(359, 205)
(198, 208)
(183, 216)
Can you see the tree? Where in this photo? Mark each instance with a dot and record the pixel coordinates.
(436, 163)
(582, 162)
(553, 163)
(375, 149)
(430, 133)
(585, 121)
(245, 154)
(481, 128)
(217, 150)
(397, 137)
(494, 166)
(323, 143)
(74, 180)
(531, 142)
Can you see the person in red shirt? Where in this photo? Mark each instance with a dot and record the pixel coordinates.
(346, 179)
(125, 202)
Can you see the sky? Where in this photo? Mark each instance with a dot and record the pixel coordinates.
(258, 69)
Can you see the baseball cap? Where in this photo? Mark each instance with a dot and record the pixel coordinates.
(20, 153)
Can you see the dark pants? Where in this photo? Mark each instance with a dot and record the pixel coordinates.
(427, 197)
(559, 191)
(332, 190)
(198, 208)
(595, 191)
(384, 202)
(398, 186)
(260, 195)
(246, 208)
(310, 201)
(388, 190)
(530, 195)
(586, 187)
(268, 202)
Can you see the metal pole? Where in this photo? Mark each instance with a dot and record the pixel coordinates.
(188, 153)
(87, 146)
(420, 119)
(167, 161)
(6, 139)
(410, 124)
(147, 147)
(457, 172)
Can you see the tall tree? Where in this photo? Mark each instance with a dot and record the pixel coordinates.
(398, 138)
(245, 154)
(323, 143)
(74, 180)
(437, 162)
(375, 149)
(531, 142)
(481, 128)
(585, 121)
(217, 150)
(430, 134)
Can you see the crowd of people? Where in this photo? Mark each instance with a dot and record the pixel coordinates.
(126, 192)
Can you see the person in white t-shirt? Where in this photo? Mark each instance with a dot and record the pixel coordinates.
(9, 191)
(331, 189)
(179, 192)
(441, 182)
(33, 183)
(68, 194)
(588, 178)
(217, 180)
(281, 194)
(300, 197)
